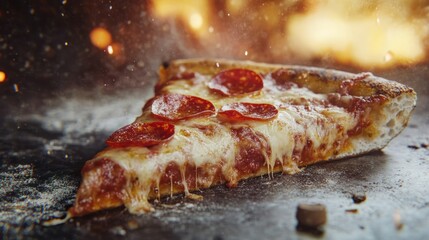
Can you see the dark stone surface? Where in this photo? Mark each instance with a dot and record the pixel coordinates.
(60, 102)
(42, 153)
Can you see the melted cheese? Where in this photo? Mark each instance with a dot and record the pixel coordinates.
(286, 136)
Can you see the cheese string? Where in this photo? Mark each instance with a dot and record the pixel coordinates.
(57, 221)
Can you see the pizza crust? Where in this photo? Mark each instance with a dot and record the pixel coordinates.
(206, 152)
(370, 83)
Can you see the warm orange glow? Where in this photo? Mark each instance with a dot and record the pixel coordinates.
(196, 21)
(2, 76)
(117, 53)
(100, 37)
(110, 49)
(115, 49)
(235, 6)
(366, 34)
(193, 12)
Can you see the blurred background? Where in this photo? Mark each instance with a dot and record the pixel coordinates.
(47, 47)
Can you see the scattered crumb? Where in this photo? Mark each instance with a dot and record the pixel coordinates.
(397, 221)
(118, 230)
(415, 147)
(354, 210)
(311, 218)
(132, 224)
(311, 215)
(358, 198)
(422, 145)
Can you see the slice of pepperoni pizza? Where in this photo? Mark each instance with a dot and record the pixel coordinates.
(218, 121)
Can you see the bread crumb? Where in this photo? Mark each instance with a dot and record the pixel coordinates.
(358, 198)
(118, 230)
(354, 210)
(311, 215)
(397, 220)
(132, 224)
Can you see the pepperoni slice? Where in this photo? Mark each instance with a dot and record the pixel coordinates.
(141, 134)
(236, 81)
(175, 107)
(247, 111)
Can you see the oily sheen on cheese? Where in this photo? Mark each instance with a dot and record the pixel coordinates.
(202, 128)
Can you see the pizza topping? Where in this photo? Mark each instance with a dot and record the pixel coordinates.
(348, 87)
(236, 81)
(283, 78)
(247, 111)
(355, 104)
(176, 107)
(182, 76)
(141, 134)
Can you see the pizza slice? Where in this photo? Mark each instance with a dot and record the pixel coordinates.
(219, 121)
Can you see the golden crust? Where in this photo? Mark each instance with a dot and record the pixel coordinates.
(325, 77)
